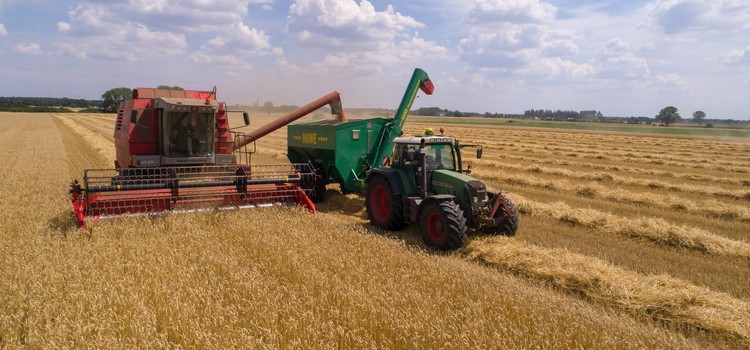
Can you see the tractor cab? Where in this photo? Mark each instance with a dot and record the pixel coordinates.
(440, 153)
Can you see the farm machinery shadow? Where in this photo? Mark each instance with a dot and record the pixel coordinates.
(63, 223)
(352, 205)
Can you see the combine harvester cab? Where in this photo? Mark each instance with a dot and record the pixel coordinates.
(176, 151)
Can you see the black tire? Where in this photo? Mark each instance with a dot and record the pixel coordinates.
(384, 208)
(508, 225)
(443, 225)
(318, 193)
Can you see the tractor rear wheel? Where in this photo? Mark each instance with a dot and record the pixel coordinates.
(443, 225)
(507, 223)
(384, 208)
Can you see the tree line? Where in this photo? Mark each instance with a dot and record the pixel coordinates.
(562, 115)
(111, 100)
(441, 112)
(48, 102)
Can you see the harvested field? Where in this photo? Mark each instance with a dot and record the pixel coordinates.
(626, 241)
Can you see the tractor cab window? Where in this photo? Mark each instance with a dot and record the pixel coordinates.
(436, 157)
(410, 156)
(187, 134)
(440, 157)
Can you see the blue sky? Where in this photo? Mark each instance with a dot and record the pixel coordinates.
(623, 58)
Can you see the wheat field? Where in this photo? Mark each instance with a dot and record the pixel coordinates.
(626, 241)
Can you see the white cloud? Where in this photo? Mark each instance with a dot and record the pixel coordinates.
(418, 49)
(239, 39)
(230, 45)
(63, 27)
(282, 63)
(616, 46)
(142, 29)
(344, 36)
(266, 5)
(411, 51)
(3, 32)
(184, 15)
(504, 50)
(515, 37)
(681, 16)
(345, 25)
(233, 65)
(28, 48)
(735, 56)
(96, 32)
(510, 11)
(549, 68)
(670, 81)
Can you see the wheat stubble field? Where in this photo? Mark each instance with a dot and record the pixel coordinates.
(626, 241)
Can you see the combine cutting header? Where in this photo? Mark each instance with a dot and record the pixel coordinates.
(175, 150)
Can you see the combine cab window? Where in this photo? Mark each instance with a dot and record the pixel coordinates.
(188, 134)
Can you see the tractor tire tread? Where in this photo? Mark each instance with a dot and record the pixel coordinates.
(455, 221)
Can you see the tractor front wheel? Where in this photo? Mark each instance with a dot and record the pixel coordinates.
(384, 208)
(443, 225)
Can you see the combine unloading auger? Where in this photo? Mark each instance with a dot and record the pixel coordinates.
(176, 152)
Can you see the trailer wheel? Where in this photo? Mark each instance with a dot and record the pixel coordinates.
(384, 208)
(508, 222)
(443, 225)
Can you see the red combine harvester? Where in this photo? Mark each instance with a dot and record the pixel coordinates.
(176, 151)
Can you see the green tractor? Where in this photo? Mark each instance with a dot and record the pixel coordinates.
(427, 184)
(417, 179)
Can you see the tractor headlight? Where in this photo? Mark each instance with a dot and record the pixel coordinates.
(477, 191)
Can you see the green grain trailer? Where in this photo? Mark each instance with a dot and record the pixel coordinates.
(343, 151)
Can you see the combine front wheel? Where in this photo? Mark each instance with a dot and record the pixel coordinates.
(384, 209)
(443, 225)
(318, 193)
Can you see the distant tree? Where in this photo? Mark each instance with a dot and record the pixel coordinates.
(668, 115)
(698, 116)
(169, 87)
(268, 106)
(113, 97)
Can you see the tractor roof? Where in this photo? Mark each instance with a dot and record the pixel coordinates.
(427, 139)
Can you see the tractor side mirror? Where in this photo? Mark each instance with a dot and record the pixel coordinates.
(479, 154)
(246, 118)
(468, 168)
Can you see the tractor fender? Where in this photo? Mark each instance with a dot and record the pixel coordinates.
(394, 179)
